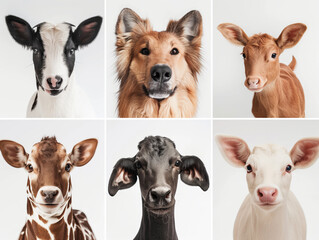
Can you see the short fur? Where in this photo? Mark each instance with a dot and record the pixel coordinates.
(134, 69)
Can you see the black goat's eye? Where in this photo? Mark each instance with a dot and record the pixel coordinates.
(72, 51)
(68, 167)
(178, 163)
(29, 167)
(249, 168)
(138, 165)
(244, 55)
(274, 55)
(288, 168)
(145, 51)
(174, 51)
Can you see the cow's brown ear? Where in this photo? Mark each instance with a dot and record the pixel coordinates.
(13, 153)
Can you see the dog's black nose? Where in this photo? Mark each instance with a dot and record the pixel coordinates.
(55, 82)
(161, 73)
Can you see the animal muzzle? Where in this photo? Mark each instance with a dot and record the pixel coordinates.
(254, 83)
(161, 73)
(53, 85)
(49, 195)
(160, 196)
(267, 195)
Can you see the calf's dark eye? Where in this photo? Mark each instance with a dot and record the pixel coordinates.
(249, 168)
(72, 51)
(145, 51)
(174, 51)
(274, 55)
(35, 51)
(288, 168)
(68, 167)
(244, 55)
(29, 168)
(138, 165)
(178, 163)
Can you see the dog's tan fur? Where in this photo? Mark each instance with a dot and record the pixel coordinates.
(134, 68)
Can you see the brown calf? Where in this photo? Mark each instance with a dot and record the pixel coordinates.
(277, 90)
(158, 70)
(49, 212)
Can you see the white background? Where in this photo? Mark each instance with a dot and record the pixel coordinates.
(193, 206)
(230, 187)
(231, 97)
(88, 181)
(16, 66)
(159, 14)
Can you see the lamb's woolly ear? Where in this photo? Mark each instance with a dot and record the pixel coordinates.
(13, 153)
(87, 31)
(233, 33)
(20, 30)
(234, 150)
(305, 152)
(83, 152)
(193, 172)
(190, 26)
(291, 35)
(124, 175)
(127, 21)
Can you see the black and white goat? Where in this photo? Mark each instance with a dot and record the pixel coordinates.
(54, 48)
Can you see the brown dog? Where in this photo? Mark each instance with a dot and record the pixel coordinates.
(158, 70)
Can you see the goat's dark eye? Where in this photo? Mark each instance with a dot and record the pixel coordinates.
(174, 51)
(288, 168)
(249, 168)
(244, 55)
(68, 167)
(29, 167)
(72, 51)
(178, 163)
(138, 165)
(274, 55)
(145, 51)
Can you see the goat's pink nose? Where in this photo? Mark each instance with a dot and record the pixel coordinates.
(267, 194)
(253, 82)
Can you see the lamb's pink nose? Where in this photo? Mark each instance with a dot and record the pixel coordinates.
(253, 82)
(267, 194)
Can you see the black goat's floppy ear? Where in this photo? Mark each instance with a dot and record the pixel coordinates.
(124, 175)
(193, 172)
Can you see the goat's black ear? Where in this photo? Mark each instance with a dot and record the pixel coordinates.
(193, 172)
(124, 175)
(87, 31)
(20, 30)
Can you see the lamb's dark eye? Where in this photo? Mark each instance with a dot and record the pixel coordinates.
(178, 163)
(145, 51)
(274, 55)
(249, 168)
(138, 165)
(174, 51)
(72, 51)
(29, 168)
(68, 167)
(244, 55)
(288, 168)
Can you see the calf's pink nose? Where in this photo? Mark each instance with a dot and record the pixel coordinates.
(253, 82)
(267, 194)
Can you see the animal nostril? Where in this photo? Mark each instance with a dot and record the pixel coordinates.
(42, 193)
(59, 79)
(168, 194)
(260, 194)
(154, 195)
(49, 80)
(55, 193)
(167, 75)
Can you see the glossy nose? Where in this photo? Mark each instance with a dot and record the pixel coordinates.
(267, 194)
(161, 73)
(54, 82)
(160, 195)
(49, 196)
(253, 82)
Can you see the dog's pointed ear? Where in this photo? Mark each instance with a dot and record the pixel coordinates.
(83, 152)
(124, 175)
(193, 172)
(190, 26)
(87, 31)
(13, 153)
(128, 21)
(20, 30)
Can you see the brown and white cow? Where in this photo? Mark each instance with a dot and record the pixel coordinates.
(49, 210)
(277, 90)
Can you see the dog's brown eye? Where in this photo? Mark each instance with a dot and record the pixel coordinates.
(174, 51)
(68, 167)
(29, 168)
(145, 51)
